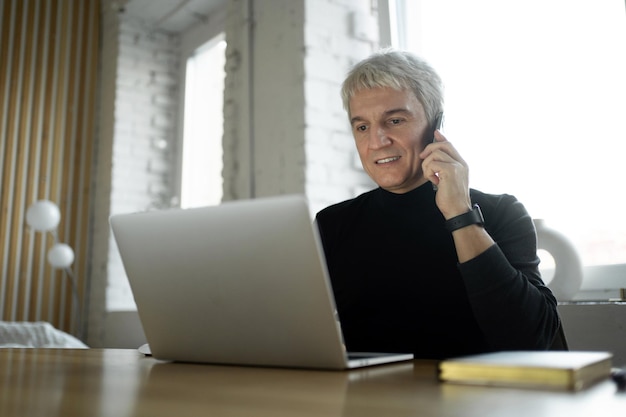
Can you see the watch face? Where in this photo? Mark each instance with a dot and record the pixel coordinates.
(479, 213)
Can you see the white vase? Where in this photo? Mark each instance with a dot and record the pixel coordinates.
(568, 270)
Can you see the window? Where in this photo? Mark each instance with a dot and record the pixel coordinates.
(535, 98)
(201, 168)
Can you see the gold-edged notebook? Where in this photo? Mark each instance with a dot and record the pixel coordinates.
(561, 370)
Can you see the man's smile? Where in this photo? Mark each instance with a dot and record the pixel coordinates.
(387, 160)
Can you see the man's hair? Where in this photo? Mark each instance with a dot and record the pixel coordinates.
(399, 70)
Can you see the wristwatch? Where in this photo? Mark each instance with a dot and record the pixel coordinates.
(474, 216)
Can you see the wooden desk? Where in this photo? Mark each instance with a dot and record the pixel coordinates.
(118, 383)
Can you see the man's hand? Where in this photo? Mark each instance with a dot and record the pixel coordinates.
(444, 167)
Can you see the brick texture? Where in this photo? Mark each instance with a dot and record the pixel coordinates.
(284, 130)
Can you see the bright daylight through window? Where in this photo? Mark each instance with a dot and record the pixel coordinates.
(535, 97)
(201, 183)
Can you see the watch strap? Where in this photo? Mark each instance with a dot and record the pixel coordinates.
(474, 216)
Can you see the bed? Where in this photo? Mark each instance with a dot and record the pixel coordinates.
(36, 335)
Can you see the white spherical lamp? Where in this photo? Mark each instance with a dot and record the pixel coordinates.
(60, 255)
(43, 215)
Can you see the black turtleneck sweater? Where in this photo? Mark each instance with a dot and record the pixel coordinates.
(399, 287)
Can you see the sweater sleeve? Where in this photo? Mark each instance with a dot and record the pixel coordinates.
(513, 307)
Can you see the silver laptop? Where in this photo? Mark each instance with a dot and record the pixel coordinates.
(242, 283)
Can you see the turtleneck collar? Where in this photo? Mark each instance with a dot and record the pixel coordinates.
(422, 197)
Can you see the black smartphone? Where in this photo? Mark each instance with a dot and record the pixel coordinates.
(436, 125)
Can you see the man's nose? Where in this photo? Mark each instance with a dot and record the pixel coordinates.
(379, 138)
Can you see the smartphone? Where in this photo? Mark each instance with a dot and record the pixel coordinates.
(436, 125)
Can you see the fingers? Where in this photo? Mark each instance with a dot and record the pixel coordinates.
(441, 144)
(439, 137)
(444, 167)
(439, 156)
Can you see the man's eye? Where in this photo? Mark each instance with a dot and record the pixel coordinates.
(395, 121)
(361, 128)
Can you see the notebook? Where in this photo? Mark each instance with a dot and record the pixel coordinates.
(566, 370)
(242, 283)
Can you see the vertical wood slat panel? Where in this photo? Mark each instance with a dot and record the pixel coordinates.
(48, 83)
(43, 189)
(40, 190)
(8, 174)
(60, 113)
(26, 145)
(5, 55)
(41, 50)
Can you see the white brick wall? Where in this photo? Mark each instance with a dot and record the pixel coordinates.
(295, 133)
(333, 172)
(136, 151)
(97, 281)
(144, 144)
(264, 118)
(285, 130)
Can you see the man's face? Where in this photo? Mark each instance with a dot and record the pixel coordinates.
(389, 127)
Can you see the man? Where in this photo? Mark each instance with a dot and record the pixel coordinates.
(414, 267)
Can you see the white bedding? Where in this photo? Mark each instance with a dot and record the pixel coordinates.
(36, 335)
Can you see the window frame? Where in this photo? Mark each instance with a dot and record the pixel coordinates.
(609, 276)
